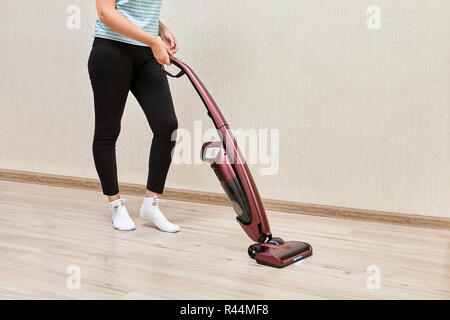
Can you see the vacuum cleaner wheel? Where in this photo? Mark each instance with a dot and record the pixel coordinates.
(254, 249)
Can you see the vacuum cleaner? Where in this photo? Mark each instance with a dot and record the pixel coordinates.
(235, 178)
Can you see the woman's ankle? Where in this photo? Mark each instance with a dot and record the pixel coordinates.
(114, 197)
(151, 194)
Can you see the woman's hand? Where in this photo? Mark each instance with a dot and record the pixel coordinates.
(168, 38)
(161, 51)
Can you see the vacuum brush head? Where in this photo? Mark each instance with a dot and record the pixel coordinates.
(280, 256)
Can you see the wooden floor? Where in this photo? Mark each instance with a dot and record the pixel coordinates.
(44, 230)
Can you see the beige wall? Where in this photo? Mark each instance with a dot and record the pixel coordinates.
(364, 115)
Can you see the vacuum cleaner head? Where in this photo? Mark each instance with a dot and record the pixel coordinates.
(280, 256)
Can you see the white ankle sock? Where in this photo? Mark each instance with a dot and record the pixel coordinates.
(150, 211)
(120, 218)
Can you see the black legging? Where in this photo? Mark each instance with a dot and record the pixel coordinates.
(115, 68)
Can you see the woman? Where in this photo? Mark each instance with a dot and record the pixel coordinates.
(126, 56)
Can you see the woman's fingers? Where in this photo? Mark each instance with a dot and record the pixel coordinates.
(165, 61)
(169, 50)
(175, 49)
(164, 58)
(161, 52)
(171, 42)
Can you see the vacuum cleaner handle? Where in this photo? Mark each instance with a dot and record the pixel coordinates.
(175, 62)
(213, 111)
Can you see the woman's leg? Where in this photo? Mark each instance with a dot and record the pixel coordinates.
(111, 73)
(151, 89)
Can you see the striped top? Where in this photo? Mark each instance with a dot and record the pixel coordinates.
(142, 13)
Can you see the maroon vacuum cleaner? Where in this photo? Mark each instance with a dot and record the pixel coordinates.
(234, 175)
